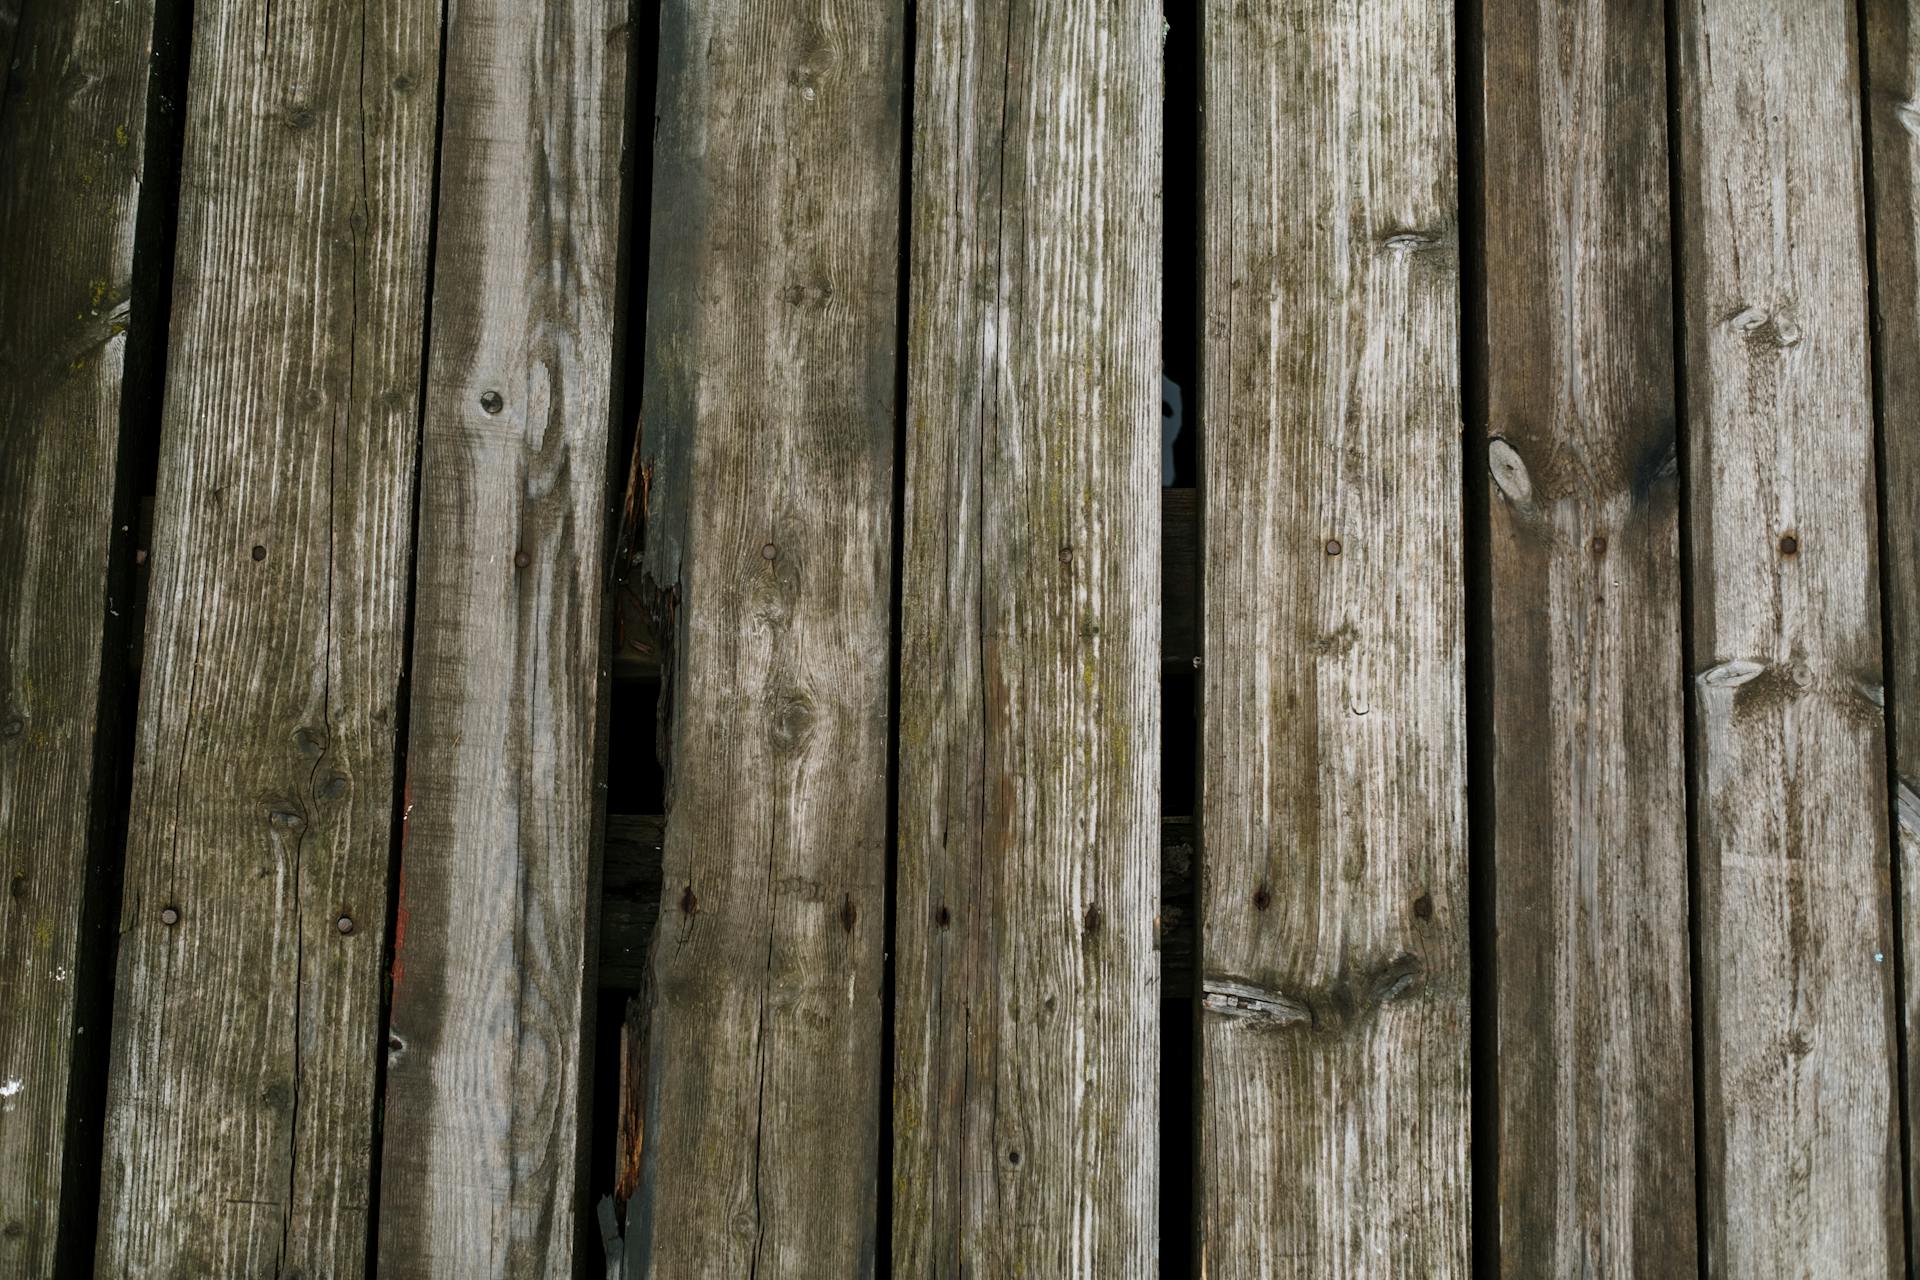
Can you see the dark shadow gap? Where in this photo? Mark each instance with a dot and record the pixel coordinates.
(403, 690)
(631, 779)
(883, 1226)
(1682, 410)
(1477, 579)
(1182, 188)
(142, 401)
(1884, 494)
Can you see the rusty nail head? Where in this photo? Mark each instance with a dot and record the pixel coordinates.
(344, 924)
(259, 552)
(169, 915)
(769, 551)
(1789, 545)
(521, 559)
(1333, 546)
(1599, 546)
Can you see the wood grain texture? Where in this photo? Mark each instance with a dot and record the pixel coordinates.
(73, 156)
(1595, 1131)
(768, 441)
(1892, 36)
(1333, 908)
(1026, 1025)
(242, 1087)
(1800, 1147)
(483, 1151)
(630, 901)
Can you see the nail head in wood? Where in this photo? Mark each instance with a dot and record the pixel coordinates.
(344, 924)
(492, 402)
(169, 916)
(521, 559)
(1333, 546)
(1789, 544)
(259, 553)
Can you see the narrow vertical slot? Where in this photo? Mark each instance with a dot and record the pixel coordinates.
(883, 1229)
(1482, 931)
(1181, 560)
(633, 781)
(1676, 166)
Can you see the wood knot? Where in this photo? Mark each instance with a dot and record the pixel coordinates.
(689, 904)
(1509, 473)
(849, 914)
(943, 917)
(1262, 898)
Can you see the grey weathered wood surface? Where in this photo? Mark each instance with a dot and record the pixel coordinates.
(72, 164)
(483, 1151)
(1026, 1027)
(1595, 1131)
(1800, 1122)
(630, 901)
(1892, 34)
(1333, 905)
(241, 1104)
(636, 656)
(768, 440)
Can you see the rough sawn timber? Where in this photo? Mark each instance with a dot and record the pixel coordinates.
(483, 1144)
(767, 450)
(74, 156)
(1026, 1027)
(1333, 903)
(1800, 1124)
(247, 1015)
(1595, 1130)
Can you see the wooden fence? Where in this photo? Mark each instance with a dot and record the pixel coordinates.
(1446, 815)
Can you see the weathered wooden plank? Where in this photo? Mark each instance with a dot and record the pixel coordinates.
(1893, 103)
(768, 438)
(1595, 1133)
(1333, 908)
(1800, 1128)
(73, 159)
(247, 1014)
(482, 1153)
(1026, 1028)
(630, 901)
(636, 652)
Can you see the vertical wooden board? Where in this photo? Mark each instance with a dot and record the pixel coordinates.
(1893, 103)
(767, 438)
(1026, 1028)
(246, 1016)
(482, 1141)
(72, 161)
(1800, 1128)
(1333, 915)
(1595, 1133)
